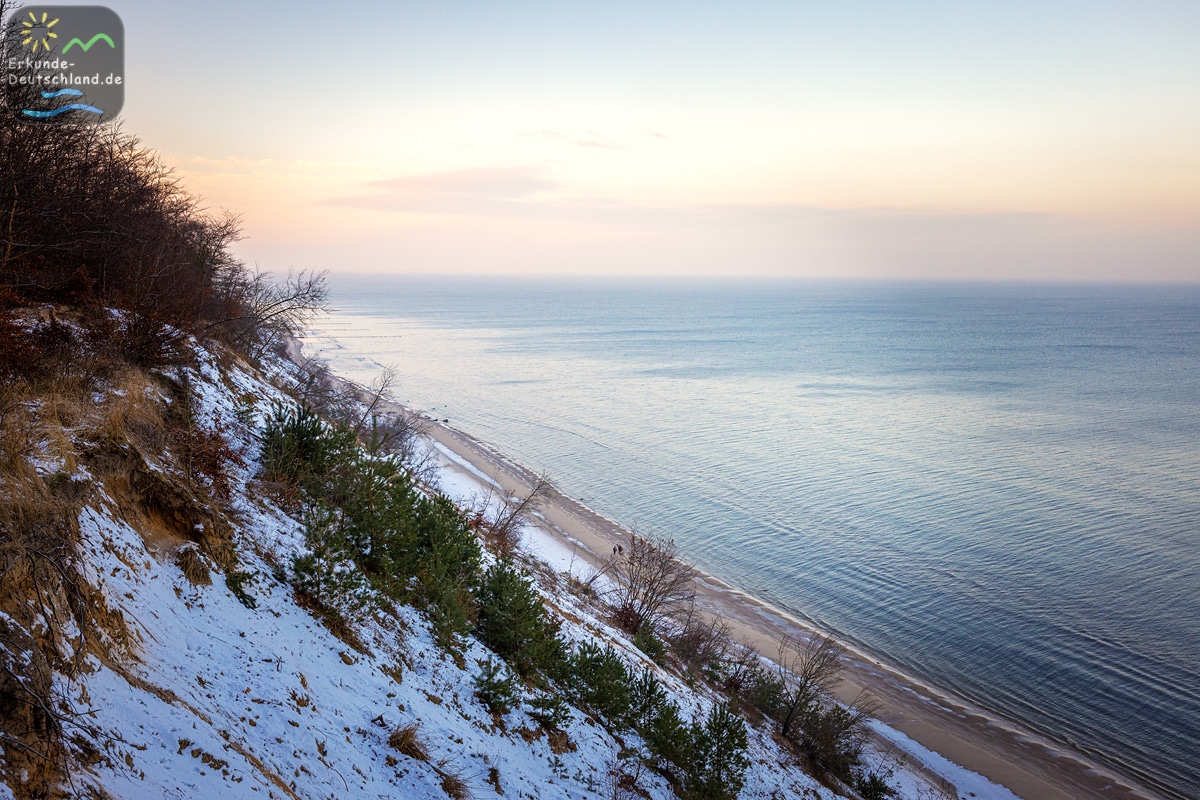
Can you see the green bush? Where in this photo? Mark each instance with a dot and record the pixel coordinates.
(301, 450)
(717, 764)
(704, 760)
(512, 619)
(872, 786)
(381, 509)
(237, 581)
(449, 564)
(651, 645)
(549, 710)
(647, 700)
(496, 688)
(766, 692)
(324, 574)
(601, 682)
(668, 739)
(367, 525)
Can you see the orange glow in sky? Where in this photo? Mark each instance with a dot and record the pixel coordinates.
(1020, 141)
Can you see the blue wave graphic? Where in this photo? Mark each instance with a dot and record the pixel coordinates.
(73, 107)
(61, 92)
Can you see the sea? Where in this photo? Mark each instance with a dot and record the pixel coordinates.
(993, 487)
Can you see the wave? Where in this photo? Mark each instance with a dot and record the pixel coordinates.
(61, 92)
(73, 107)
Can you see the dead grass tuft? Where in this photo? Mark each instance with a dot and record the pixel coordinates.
(454, 785)
(406, 740)
(194, 567)
(333, 621)
(132, 410)
(18, 431)
(394, 671)
(560, 742)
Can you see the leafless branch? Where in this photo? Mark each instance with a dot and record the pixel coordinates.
(652, 582)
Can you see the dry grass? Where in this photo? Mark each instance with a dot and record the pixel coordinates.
(333, 621)
(394, 671)
(453, 784)
(560, 742)
(18, 439)
(31, 425)
(75, 407)
(48, 623)
(406, 740)
(132, 410)
(194, 567)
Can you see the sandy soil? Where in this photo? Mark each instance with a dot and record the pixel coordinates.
(1028, 767)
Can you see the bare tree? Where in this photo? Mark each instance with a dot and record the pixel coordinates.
(500, 514)
(262, 310)
(372, 399)
(809, 671)
(395, 431)
(652, 582)
(317, 387)
(831, 735)
(702, 639)
(623, 777)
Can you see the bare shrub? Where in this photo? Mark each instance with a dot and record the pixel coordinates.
(624, 777)
(92, 219)
(453, 783)
(18, 354)
(499, 514)
(740, 668)
(395, 433)
(206, 456)
(830, 735)
(652, 582)
(703, 640)
(318, 388)
(406, 740)
(264, 310)
(810, 670)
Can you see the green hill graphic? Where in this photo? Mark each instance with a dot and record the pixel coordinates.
(88, 46)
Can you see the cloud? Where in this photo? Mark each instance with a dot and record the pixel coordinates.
(504, 182)
(481, 190)
(238, 165)
(589, 139)
(529, 216)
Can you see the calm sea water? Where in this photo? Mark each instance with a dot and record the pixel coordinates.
(996, 488)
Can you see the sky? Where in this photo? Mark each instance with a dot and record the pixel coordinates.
(1014, 140)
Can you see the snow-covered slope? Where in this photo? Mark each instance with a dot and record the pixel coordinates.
(215, 696)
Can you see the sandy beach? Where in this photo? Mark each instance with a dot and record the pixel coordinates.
(1027, 766)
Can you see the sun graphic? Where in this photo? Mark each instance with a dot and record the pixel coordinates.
(32, 27)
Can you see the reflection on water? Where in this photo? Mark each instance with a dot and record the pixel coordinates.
(996, 488)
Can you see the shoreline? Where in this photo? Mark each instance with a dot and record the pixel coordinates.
(1024, 763)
